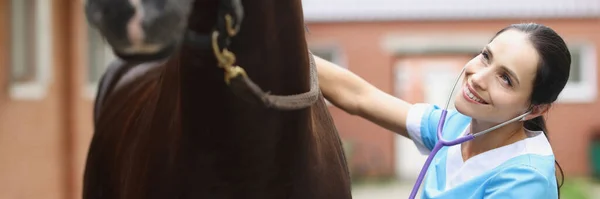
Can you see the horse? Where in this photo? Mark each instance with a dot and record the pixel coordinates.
(210, 99)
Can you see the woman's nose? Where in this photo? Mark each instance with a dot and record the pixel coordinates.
(479, 79)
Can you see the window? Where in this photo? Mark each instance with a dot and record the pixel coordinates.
(329, 53)
(30, 48)
(582, 84)
(575, 72)
(23, 41)
(100, 54)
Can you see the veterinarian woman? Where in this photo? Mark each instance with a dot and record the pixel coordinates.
(522, 69)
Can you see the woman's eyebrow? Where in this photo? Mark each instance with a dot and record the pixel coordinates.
(510, 72)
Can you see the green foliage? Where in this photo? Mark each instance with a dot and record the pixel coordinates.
(577, 188)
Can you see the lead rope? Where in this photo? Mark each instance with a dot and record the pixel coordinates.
(237, 78)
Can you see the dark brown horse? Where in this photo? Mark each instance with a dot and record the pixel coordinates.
(175, 129)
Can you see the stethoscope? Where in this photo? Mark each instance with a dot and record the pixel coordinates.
(442, 142)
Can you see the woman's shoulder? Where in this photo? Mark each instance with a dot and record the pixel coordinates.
(528, 175)
(531, 164)
(533, 153)
(525, 179)
(422, 124)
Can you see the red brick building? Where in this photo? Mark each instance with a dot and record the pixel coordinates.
(50, 65)
(415, 48)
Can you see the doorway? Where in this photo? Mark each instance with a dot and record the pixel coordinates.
(422, 79)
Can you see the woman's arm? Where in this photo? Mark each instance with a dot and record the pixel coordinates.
(356, 96)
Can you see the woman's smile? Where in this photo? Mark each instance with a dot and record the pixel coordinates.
(471, 95)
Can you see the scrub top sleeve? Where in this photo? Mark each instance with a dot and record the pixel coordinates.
(421, 124)
(519, 182)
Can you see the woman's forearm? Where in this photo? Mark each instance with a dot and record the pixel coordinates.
(356, 96)
(340, 86)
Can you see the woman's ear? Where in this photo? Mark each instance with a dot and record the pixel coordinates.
(537, 110)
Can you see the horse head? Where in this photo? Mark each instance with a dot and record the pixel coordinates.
(140, 29)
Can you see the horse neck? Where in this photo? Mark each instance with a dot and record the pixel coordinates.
(270, 46)
(217, 127)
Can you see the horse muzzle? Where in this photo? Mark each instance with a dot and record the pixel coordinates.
(140, 30)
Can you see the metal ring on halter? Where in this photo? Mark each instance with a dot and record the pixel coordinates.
(226, 60)
(229, 26)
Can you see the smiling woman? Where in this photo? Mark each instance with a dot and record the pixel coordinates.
(517, 75)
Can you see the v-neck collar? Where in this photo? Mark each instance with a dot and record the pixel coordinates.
(459, 171)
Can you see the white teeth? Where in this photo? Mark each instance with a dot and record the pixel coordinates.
(468, 92)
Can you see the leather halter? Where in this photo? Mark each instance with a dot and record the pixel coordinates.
(228, 25)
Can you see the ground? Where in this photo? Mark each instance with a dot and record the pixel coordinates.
(388, 190)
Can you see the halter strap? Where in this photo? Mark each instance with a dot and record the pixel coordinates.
(228, 24)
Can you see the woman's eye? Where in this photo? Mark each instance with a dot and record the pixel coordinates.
(485, 58)
(485, 55)
(506, 79)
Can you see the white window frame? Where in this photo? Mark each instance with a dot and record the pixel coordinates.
(37, 89)
(584, 91)
(338, 56)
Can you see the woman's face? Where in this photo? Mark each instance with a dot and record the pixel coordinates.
(498, 82)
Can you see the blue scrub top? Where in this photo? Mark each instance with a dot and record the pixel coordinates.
(524, 169)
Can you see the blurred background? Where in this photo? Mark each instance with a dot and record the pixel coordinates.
(51, 61)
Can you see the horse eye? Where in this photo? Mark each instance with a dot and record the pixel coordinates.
(97, 16)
